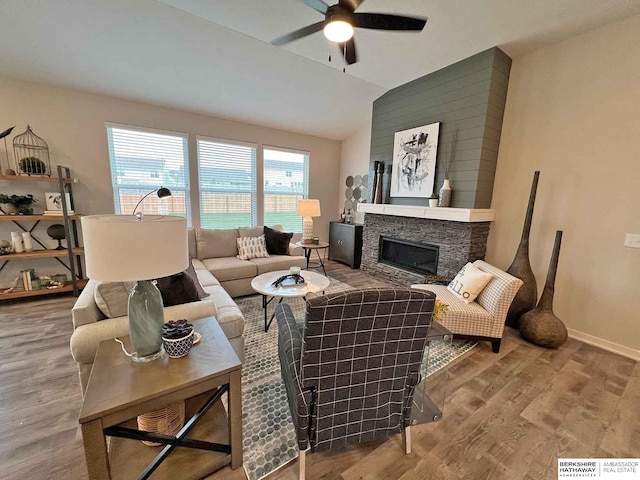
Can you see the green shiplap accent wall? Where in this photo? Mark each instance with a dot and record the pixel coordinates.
(469, 95)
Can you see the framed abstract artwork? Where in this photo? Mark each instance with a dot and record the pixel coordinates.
(414, 161)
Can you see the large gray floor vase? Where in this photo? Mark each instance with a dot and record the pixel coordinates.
(540, 325)
(527, 296)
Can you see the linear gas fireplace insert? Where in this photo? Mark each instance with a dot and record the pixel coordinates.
(411, 256)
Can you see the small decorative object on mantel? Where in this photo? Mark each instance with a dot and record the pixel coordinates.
(540, 325)
(17, 204)
(374, 186)
(31, 154)
(444, 199)
(378, 183)
(414, 161)
(4, 135)
(433, 200)
(526, 297)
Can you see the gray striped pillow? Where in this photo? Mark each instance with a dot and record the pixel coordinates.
(252, 247)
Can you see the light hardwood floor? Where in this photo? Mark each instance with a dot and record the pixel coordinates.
(507, 416)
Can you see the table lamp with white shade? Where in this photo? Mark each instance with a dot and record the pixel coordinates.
(308, 208)
(137, 248)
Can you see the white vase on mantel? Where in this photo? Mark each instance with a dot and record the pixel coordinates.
(444, 199)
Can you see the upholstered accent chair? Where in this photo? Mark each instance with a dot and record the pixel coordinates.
(351, 367)
(484, 318)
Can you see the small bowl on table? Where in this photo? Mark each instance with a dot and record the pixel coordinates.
(177, 345)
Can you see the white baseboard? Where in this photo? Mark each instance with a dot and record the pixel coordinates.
(629, 352)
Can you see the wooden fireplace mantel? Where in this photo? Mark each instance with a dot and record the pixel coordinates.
(468, 215)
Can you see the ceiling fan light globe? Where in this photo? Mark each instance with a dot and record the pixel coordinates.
(338, 31)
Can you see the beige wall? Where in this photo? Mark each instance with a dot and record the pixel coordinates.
(72, 122)
(354, 161)
(573, 112)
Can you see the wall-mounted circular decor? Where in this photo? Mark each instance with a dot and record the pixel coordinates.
(357, 191)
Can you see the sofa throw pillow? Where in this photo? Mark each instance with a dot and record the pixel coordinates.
(277, 241)
(469, 282)
(112, 298)
(252, 247)
(191, 271)
(177, 289)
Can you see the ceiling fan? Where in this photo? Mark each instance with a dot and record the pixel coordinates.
(339, 20)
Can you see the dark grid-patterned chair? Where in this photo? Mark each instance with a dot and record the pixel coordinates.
(350, 369)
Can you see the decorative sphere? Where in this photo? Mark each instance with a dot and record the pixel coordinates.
(56, 231)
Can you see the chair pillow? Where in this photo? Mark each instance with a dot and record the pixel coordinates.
(194, 276)
(177, 289)
(469, 282)
(277, 242)
(252, 247)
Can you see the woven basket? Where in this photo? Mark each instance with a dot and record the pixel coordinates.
(167, 420)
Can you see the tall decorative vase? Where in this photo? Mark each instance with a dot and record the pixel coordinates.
(444, 199)
(378, 192)
(527, 296)
(540, 325)
(375, 181)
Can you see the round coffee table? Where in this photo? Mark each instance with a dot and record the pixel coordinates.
(263, 285)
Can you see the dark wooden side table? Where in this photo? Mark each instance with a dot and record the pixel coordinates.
(310, 247)
(345, 243)
(119, 390)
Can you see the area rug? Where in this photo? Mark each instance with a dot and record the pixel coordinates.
(269, 439)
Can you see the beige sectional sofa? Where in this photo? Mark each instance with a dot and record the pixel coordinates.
(221, 274)
(216, 252)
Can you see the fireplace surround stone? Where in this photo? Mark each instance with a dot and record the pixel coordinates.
(459, 242)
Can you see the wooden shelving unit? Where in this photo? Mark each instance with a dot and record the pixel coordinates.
(43, 291)
(27, 223)
(35, 178)
(27, 218)
(48, 253)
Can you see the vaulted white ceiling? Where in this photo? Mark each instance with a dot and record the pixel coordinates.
(214, 56)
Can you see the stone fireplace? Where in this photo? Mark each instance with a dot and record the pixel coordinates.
(457, 242)
(416, 257)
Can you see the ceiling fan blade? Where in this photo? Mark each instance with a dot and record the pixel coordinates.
(317, 5)
(382, 21)
(295, 35)
(349, 52)
(350, 4)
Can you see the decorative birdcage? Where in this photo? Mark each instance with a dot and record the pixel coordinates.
(31, 154)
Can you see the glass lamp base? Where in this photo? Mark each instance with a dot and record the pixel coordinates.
(146, 317)
(147, 358)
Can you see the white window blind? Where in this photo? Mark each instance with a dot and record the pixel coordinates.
(227, 173)
(143, 161)
(286, 180)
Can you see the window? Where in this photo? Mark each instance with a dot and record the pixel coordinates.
(143, 161)
(227, 183)
(286, 180)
